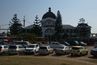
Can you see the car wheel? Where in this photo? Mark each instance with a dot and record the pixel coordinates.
(36, 53)
(72, 54)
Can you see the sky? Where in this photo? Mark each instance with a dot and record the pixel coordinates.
(71, 11)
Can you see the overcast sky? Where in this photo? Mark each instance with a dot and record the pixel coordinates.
(71, 11)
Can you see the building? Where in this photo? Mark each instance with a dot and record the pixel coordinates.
(53, 28)
(49, 22)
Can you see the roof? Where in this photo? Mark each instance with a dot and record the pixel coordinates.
(49, 14)
(83, 24)
(68, 27)
(29, 27)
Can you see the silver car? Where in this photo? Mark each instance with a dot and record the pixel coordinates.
(63, 50)
(16, 49)
(45, 50)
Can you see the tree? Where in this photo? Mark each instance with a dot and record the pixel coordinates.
(16, 26)
(36, 27)
(58, 26)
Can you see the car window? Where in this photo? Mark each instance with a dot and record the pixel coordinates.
(75, 48)
(36, 45)
(30, 46)
(0, 47)
(21, 47)
(5, 46)
(43, 48)
(12, 47)
(61, 47)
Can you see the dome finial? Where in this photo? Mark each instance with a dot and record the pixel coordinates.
(49, 9)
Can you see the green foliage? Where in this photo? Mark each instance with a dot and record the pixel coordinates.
(27, 36)
(16, 26)
(37, 30)
(58, 26)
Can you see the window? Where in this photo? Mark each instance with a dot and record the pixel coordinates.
(12, 47)
(5, 46)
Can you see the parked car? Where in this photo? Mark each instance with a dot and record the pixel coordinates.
(55, 45)
(94, 51)
(31, 49)
(3, 49)
(62, 50)
(45, 50)
(78, 51)
(16, 49)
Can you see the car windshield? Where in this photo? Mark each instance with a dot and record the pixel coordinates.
(21, 47)
(12, 47)
(30, 46)
(61, 47)
(5, 46)
(75, 48)
(43, 48)
(67, 44)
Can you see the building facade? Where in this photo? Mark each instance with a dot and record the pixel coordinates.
(49, 22)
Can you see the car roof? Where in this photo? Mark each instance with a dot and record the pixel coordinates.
(77, 46)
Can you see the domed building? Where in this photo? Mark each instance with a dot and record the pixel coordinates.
(48, 23)
(54, 30)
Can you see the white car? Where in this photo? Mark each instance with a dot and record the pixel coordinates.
(32, 49)
(3, 49)
(16, 49)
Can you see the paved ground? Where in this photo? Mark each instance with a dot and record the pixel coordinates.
(88, 59)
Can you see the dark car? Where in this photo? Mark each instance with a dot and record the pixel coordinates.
(94, 51)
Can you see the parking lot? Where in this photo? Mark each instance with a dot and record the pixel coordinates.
(48, 60)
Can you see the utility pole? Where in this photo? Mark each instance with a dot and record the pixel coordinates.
(24, 21)
(0, 29)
